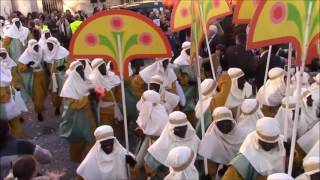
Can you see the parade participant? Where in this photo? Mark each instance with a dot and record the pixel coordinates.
(311, 167)
(56, 57)
(250, 114)
(75, 24)
(168, 99)
(15, 39)
(8, 105)
(181, 162)
(223, 87)
(151, 121)
(33, 76)
(239, 90)
(78, 121)
(281, 114)
(107, 159)
(177, 132)
(87, 67)
(221, 142)
(271, 94)
(308, 116)
(45, 34)
(108, 104)
(11, 149)
(279, 176)
(261, 154)
(161, 67)
(208, 90)
(188, 81)
(315, 87)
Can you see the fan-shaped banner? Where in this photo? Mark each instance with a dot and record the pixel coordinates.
(283, 21)
(181, 16)
(139, 37)
(244, 11)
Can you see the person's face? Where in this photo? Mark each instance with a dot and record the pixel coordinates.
(155, 87)
(3, 55)
(103, 69)
(107, 146)
(165, 63)
(225, 126)
(241, 82)
(36, 48)
(309, 101)
(180, 131)
(111, 66)
(267, 146)
(47, 35)
(80, 71)
(50, 46)
(188, 52)
(18, 24)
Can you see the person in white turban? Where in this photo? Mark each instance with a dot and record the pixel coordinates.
(15, 39)
(311, 167)
(34, 77)
(315, 87)
(221, 142)
(281, 114)
(240, 89)
(56, 57)
(271, 94)
(109, 110)
(151, 121)
(250, 114)
(161, 67)
(107, 159)
(177, 132)
(279, 176)
(181, 162)
(309, 115)
(87, 67)
(45, 34)
(168, 99)
(208, 90)
(8, 110)
(78, 120)
(262, 153)
(184, 58)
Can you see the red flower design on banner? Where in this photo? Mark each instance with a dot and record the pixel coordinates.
(145, 39)
(184, 12)
(117, 23)
(91, 39)
(278, 12)
(216, 3)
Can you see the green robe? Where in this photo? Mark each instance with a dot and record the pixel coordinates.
(14, 49)
(207, 121)
(244, 168)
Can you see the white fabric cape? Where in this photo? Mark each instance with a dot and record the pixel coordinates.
(183, 59)
(236, 96)
(280, 116)
(218, 147)
(274, 92)
(167, 141)
(247, 123)
(15, 33)
(30, 55)
(265, 163)
(170, 100)
(58, 52)
(99, 165)
(307, 140)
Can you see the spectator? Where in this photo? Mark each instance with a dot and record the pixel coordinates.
(11, 148)
(64, 34)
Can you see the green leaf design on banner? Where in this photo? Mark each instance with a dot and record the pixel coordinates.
(107, 43)
(133, 40)
(114, 35)
(295, 16)
(315, 23)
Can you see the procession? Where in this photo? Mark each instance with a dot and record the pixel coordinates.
(161, 90)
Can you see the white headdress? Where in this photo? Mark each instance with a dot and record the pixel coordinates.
(98, 164)
(58, 52)
(5, 69)
(15, 33)
(181, 162)
(208, 90)
(168, 140)
(265, 162)
(217, 146)
(30, 55)
(43, 41)
(152, 116)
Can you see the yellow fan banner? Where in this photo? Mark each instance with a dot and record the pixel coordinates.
(181, 17)
(244, 11)
(120, 36)
(283, 21)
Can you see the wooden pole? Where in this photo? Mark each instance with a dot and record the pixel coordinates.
(299, 82)
(267, 69)
(287, 93)
(123, 98)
